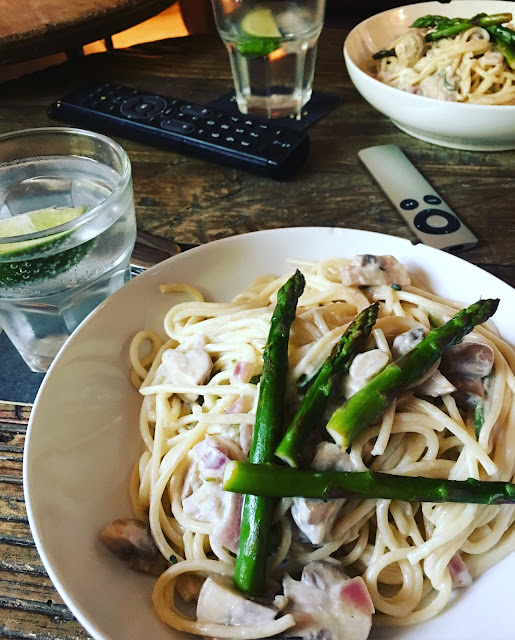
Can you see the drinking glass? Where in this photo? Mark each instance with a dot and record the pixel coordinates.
(272, 48)
(63, 259)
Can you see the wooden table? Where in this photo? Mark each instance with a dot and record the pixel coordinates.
(194, 201)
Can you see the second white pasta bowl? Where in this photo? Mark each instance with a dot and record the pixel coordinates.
(474, 127)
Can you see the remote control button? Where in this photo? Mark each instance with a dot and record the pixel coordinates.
(430, 199)
(142, 106)
(436, 222)
(408, 204)
(196, 110)
(177, 126)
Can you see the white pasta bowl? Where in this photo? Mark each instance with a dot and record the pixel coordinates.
(473, 127)
(83, 438)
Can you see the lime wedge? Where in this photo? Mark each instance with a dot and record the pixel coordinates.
(261, 23)
(260, 34)
(31, 222)
(17, 266)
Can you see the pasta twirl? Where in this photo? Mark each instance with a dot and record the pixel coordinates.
(457, 422)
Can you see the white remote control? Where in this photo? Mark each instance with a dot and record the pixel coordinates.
(429, 217)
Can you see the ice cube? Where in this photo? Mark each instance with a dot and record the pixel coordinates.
(292, 23)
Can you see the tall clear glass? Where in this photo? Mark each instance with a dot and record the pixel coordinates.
(51, 279)
(272, 48)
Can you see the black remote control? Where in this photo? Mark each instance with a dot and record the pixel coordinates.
(241, 141)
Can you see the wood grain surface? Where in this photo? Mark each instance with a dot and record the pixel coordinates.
(194, 201)
(30, 607)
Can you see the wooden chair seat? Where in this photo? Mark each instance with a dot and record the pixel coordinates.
(36, 28)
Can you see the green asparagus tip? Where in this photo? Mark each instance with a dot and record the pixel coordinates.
(358, 412)
(292, 447)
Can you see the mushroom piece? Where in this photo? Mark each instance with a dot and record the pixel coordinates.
(327, 604)
(435, 386)
(190, 368)
(329, 455)
(410, 48)
(131, 541)
(220, 602)
(363, 368)
(368, 270)
(466, 365)
(404, 342)
(315, 518)
(472, 359)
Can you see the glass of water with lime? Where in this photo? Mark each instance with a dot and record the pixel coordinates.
(67, 230)
(272, 48)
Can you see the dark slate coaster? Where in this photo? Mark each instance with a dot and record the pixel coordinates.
(319, 105)
(18, 384)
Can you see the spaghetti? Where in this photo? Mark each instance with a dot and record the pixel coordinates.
(409, 555)
(465, 68)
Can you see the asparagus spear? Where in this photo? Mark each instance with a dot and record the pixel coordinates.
(452, 27)
(504, 40)
(503, 32)
(315, 401)
(444, 27)
(348, 421)
(479, 417)
(283, 482)
(435, 21)
(256, 519)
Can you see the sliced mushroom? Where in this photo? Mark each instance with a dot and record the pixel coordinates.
(131, 541)
(329, 455)
(472, 359)
(327, 604)
(363, 368)
(404, 342)
(467, 365)
(410, 48)
(220, 602)
(368, 270)
(435, 386)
